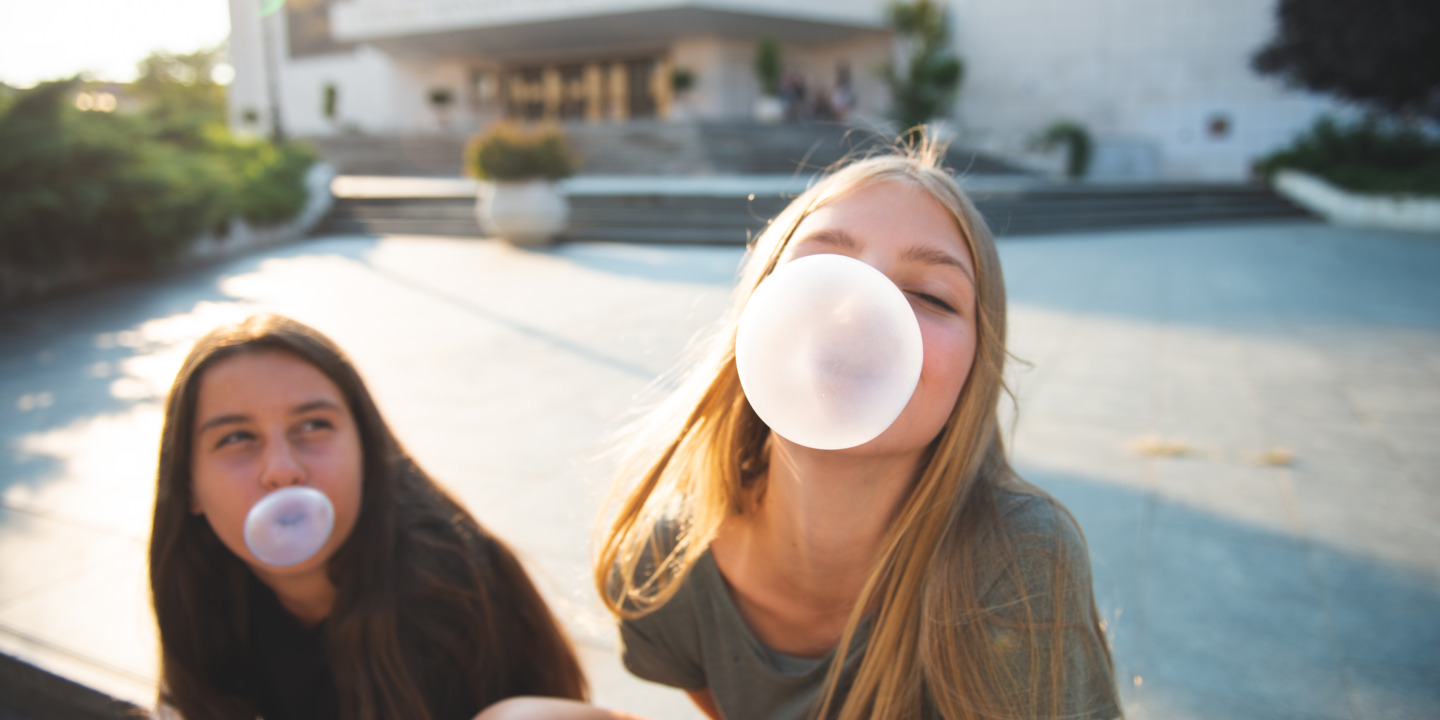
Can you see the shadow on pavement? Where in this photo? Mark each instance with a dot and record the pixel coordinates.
(1210, 617)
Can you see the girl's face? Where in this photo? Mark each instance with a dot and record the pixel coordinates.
(264, 421)
(903, 232)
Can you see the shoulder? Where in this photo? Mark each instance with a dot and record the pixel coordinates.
(667, 643)
(1036, 550)
(1032, 521)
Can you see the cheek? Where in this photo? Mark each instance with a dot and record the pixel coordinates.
(224, 504)
(949, 355)
(342, 481)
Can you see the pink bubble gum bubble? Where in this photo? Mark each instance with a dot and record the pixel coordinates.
(828, 351)
(288, 526)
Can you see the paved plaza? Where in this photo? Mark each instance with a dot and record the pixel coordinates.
(1244, 419)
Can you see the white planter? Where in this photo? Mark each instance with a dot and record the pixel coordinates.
(527, 213)
(1343, 207)
(768, 110)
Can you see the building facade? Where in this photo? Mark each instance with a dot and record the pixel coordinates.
(1164, 86)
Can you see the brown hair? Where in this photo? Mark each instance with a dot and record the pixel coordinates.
(701, 457)
(422, 587)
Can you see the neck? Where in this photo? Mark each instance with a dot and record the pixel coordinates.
(308, 596)
(825, 514)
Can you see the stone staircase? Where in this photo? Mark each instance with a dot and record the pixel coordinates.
(642, 147)
(1061, 208)
(1035, 209)
(1014, 203)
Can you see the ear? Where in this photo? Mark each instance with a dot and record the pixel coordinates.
(195, 508)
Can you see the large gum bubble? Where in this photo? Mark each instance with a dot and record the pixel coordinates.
(828, 351)
(288, 526)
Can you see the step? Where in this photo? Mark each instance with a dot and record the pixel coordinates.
(731, 219)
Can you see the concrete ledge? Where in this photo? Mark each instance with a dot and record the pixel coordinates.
(242, 237)
(1341, 207)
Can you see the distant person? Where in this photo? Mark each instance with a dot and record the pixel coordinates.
(841, 101)
(842, 98)
(791, 94)
(913, 576)
(410, 609)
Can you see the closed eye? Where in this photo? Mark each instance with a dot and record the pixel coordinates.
(934, 302)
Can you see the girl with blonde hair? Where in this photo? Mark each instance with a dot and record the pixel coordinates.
(913, 576)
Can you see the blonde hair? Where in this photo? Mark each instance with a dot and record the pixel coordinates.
(701, 458)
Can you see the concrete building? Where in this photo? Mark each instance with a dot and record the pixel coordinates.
(1163, 85)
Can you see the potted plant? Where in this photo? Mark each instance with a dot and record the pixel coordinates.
(440, 99)
(522, 165)
(768, 107)
(681, 80)
(1076, 140)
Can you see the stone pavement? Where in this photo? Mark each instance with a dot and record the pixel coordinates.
(1245, 420)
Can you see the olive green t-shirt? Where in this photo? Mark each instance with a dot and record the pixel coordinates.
(699, 640)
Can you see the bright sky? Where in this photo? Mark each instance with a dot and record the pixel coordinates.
(49, 39)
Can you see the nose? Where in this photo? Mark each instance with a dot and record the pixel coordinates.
(282, 468)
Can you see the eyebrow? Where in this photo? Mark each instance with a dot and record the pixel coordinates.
(918, 253)
(235, 419)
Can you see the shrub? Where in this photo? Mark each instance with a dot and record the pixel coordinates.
(112, 193)
(1367, 156)
(681, 80)
(767, 65)
(91, 190)
(508, 152)
(927, 88)
(1077, 145)
(271, 180)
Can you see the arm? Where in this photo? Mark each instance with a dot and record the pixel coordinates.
(706, 701)
(537, 708)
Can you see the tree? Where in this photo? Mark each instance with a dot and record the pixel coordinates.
(1380, 53)
(925, 88)
(767, 65)
(179, 93)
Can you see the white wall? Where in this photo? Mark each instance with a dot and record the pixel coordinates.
(725, 85)
(366, 82)
(365, 79)
(411, 99)
(248, 90)
(1140, 74)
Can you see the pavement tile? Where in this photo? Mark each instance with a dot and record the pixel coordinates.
(1384, 615)
(96, 627)
(41, 551)
(1237, 492)
(1387, 693)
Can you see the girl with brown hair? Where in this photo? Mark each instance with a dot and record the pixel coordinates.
(409, 608)
(915, 575)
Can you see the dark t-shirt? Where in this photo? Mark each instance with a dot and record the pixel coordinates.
(699, 639)
(288, 671)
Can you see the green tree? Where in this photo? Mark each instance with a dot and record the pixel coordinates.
(768, 65)
(95, 190)
(926, 88)
(180, 95)
(110, 193)
(1381, 53)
